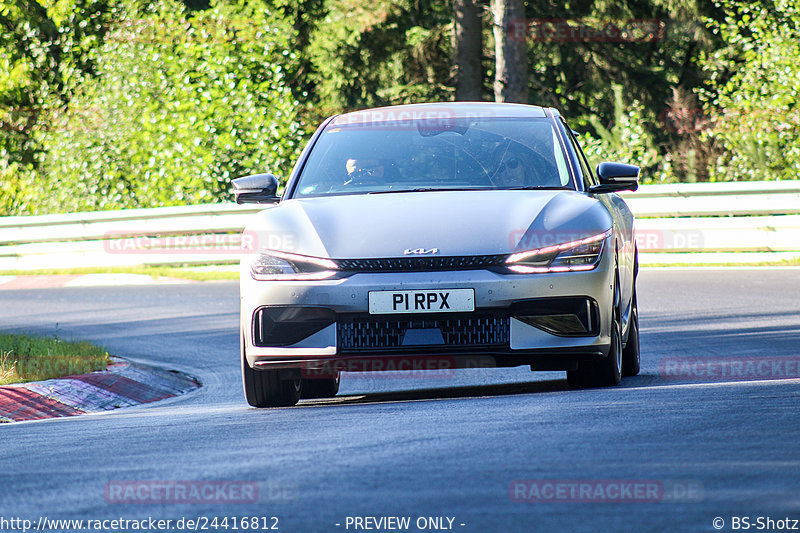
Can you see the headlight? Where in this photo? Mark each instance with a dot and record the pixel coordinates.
(583, 254)
(272, 265)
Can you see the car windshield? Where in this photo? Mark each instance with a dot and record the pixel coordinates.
(441, 154)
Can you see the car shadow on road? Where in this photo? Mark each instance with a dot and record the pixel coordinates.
(472, 391)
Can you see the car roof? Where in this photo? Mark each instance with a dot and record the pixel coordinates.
(442, 110)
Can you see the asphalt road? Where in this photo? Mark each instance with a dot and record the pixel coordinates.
(449, 446)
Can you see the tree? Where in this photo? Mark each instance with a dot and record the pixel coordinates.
(387, 52)
(753, 98)
(181, 103)
(627, 141)
(468, 49)
(511, 58)
(44, 48)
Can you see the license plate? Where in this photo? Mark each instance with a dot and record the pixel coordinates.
(432, 301)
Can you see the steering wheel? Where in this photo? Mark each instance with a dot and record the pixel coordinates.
(362, 176)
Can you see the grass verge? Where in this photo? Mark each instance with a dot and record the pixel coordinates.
(782, 263)
(158, 272)
(26, 358)
(198, 272)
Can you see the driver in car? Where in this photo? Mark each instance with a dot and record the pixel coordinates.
(360, 171)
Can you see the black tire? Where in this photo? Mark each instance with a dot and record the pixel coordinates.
(267, 388)
(320, 388)
(608, 371)
(631, 357)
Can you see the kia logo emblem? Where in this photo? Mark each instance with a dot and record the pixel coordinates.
(420, 251)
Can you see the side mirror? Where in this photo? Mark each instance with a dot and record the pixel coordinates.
(256, 189)
(615, 177)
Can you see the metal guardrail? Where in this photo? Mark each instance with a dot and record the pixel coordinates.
(744, 198)
(707, 222)
(675, 223)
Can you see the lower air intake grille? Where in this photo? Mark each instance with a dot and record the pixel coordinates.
(362, 333)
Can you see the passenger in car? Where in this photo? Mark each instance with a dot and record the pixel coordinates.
(512, 169)
(517, 167)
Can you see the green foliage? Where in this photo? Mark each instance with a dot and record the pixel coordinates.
(754, 91)
(17, 188)
(181, 104)
(576, 75)
(626, 141)
(106, 104)
(382, 53)
(44, 50)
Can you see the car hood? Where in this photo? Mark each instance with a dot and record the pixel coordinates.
(452, 222)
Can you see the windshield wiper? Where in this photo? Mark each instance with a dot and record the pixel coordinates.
(521, 188)
(538, 188)
(429, 189)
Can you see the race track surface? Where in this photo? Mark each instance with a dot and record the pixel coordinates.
(710, 444)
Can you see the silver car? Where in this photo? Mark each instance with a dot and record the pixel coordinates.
(430, 236)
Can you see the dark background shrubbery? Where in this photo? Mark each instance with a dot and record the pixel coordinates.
(108, 104)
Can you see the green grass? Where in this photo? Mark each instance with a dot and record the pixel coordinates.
(186, 272)
(782, 263)
(158, 272)
(29, 358)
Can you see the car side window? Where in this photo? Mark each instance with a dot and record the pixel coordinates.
(588, 177)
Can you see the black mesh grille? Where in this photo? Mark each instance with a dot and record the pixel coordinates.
(396, 264)
(360, 333)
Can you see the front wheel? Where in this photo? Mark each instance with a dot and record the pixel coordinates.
(268, 388)
(608, 371)
(631, 358)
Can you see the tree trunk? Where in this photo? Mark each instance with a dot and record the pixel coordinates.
(511, 59)
(468, 47)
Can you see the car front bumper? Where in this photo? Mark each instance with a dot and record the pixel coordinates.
(494, 293)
